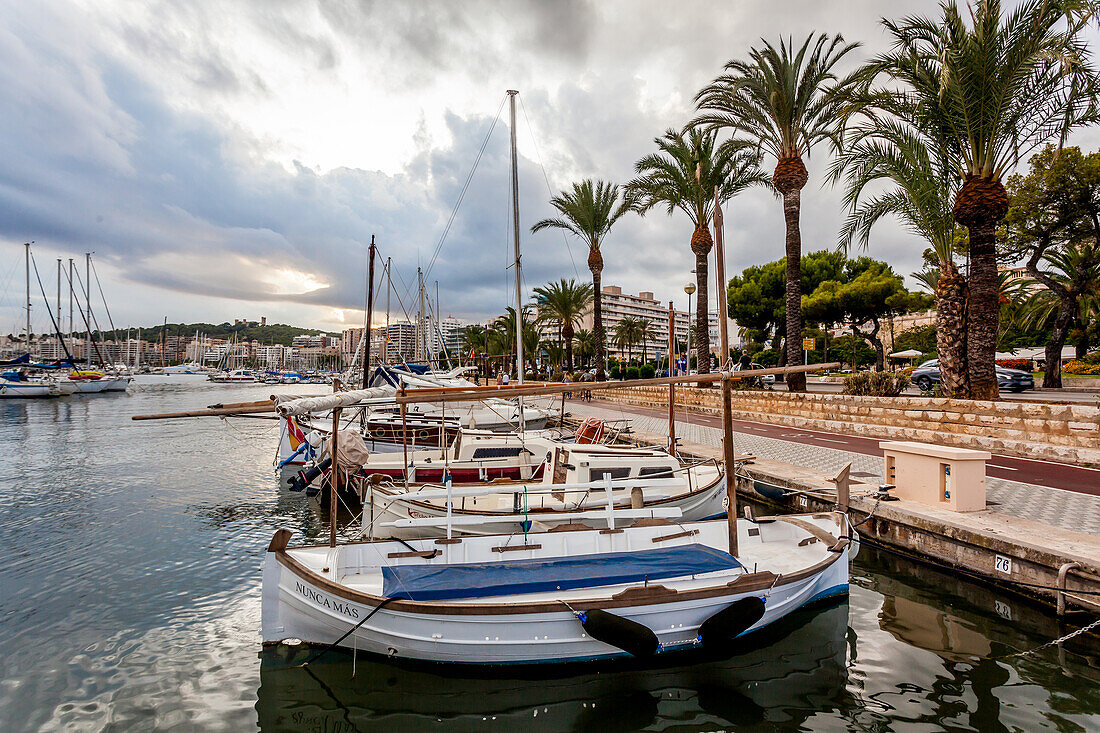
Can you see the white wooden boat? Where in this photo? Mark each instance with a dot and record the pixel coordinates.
(564, 596)
(575, 478)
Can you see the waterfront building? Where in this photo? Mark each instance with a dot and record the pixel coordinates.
(617, 305)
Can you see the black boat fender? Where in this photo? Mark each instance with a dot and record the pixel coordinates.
(725, 626)
(630, 636)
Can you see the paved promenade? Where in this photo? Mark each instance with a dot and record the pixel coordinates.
(1072, 510)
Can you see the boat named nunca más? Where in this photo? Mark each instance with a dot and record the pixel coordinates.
(561, 596)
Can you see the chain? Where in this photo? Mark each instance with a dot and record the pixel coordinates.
(1053, 642)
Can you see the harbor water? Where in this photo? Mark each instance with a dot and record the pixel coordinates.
(130, 600)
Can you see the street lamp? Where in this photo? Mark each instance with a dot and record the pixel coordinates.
(689, 289)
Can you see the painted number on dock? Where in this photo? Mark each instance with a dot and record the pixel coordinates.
(1003, 565)
(1003, 609)
(802, 501)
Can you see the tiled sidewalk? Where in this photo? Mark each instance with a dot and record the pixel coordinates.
(1076, 512)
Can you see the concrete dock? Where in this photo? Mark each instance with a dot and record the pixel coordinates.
(1028, 533)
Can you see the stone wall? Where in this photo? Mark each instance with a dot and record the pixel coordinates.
(1064, 433)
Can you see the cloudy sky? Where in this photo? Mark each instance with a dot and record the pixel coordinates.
(232, 159)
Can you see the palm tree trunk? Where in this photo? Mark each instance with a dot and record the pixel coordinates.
(595, 264)
(792, 204)
(951, 331)
(568, 334)
(701, 244)
(702, 322)
(983, 309)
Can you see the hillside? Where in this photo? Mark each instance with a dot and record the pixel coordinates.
(277, 333)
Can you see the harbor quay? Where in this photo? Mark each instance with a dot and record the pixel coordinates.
(1038, 530)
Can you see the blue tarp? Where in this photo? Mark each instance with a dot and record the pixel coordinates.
(480, 580)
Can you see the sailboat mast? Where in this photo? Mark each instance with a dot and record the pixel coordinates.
(27, 248)
(60, 320)
(421, 344)
(727, 386)
(88, 300)
(72, 328)
(515, 246)
(389, 286)
(367, 325)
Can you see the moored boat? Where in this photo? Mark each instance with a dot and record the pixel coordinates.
(565, 596)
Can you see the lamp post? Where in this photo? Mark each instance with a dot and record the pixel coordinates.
(690, 290)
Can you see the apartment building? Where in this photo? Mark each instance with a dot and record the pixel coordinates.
(617, 305)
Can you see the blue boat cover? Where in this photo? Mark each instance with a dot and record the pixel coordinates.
(481, 580)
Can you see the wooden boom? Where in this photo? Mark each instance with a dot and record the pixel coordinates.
(461, 394)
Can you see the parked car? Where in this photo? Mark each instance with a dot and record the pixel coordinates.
(765, 378)
(1010, 380)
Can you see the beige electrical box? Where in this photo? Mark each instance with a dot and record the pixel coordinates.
(936, 475)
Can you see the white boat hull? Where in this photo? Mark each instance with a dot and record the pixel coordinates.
(304, 605)
(698, 505)
(22, 390)
(107, 384)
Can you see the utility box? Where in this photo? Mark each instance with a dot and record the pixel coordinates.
(936, 475)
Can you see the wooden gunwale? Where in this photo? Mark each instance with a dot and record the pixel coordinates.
(749, 582)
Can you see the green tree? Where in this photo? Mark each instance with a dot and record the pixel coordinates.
(588, 212)
(628, 333)
(784, 101)
(921, 338)
(586, 346)
(853, 349)
(1054, 225)
(685, 173)
(503, 334)
(993, 90)
(565, 303)
(865, 296)
(757, 297)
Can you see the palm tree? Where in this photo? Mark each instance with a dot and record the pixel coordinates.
(504, 333)
(1069, 301)
(684, 175)
(924, 184)
(626, 335)
(589, 211)
(564, 302)
(995, 90)
(784, 102)
(476, 338)
(585, 346)
(645, 334)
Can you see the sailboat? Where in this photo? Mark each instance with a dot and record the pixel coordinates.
(617, 582)
(16, 379)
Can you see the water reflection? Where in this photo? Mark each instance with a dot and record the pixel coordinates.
(789, 673)
(130, 597)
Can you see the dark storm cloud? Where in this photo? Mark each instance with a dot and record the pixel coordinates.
(101, 153)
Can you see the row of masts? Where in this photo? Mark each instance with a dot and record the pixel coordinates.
(87, 316)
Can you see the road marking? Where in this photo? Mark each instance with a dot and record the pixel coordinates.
(1051, 463)
(829, 440)
(1003, 468)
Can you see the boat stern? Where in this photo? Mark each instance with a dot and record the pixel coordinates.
(272, 628)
